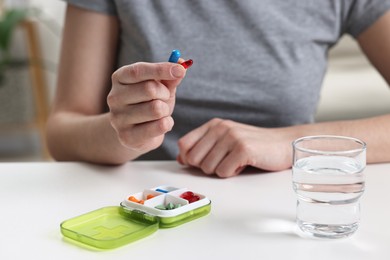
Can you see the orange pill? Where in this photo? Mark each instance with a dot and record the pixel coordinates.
(133, 199)
(149, 196)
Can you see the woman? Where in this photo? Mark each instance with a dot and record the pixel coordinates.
(253, 89)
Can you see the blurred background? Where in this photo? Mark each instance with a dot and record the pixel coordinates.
(30, 35)
(30, 38)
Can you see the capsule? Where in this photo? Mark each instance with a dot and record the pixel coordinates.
(175, 55)
(186, 64)
(161, 190)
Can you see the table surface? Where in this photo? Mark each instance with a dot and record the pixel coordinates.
(252, 215)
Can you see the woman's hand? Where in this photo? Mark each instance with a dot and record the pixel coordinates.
(225, 148)
(141, 103)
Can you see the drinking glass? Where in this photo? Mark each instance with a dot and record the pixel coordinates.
(328, 180)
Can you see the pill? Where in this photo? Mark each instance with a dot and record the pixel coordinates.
(133, 199)
(170, 206)
(175, 55)
(188, 63)
(161, 190)
(190, 196)
(194, 198)
(186, 195)
(149, 196)
(162, 207)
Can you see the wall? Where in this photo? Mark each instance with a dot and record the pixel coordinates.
(50, 26)
(21, 142)
(50, 20)
(352, 87)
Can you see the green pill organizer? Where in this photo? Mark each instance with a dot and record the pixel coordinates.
(115, 226)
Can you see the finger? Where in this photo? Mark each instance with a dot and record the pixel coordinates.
(153, 128)
(148, 111)
(178, 159)
(141, 113)
(138, 136)
(204, 146)
(137, 93)
(216, 155)
(142, 71)
(172, 84)
(188, 141)
(232, 164)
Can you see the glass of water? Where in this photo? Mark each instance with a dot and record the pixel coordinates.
(328, 181)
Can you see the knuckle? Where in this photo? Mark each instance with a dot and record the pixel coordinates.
(247, 152)
(182, 144)
(165, 124)
(111, 100)
(150, 89)
(134, 70)
(114, 76)
(243, 147)
(159, 108)
(234, 133)
(221, 127)
(160, 69)
(215, 121)
(225, 123)
(192, 160)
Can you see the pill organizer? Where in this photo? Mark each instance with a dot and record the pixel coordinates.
(138, 216)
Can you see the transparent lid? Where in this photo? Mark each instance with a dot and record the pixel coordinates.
(109, 227)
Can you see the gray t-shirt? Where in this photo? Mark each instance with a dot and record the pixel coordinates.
(259, 62)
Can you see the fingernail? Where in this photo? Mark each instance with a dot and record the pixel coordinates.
(178, 71)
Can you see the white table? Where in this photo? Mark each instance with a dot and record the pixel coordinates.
(252, 215)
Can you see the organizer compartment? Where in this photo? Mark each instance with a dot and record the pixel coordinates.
(172, 195)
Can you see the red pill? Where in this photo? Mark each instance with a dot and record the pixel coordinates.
(187, 195)
(194, 198)
(190, 196)
(188, 63)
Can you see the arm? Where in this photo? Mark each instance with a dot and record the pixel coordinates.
(375, 43)
(140, 101)
(224, 147)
